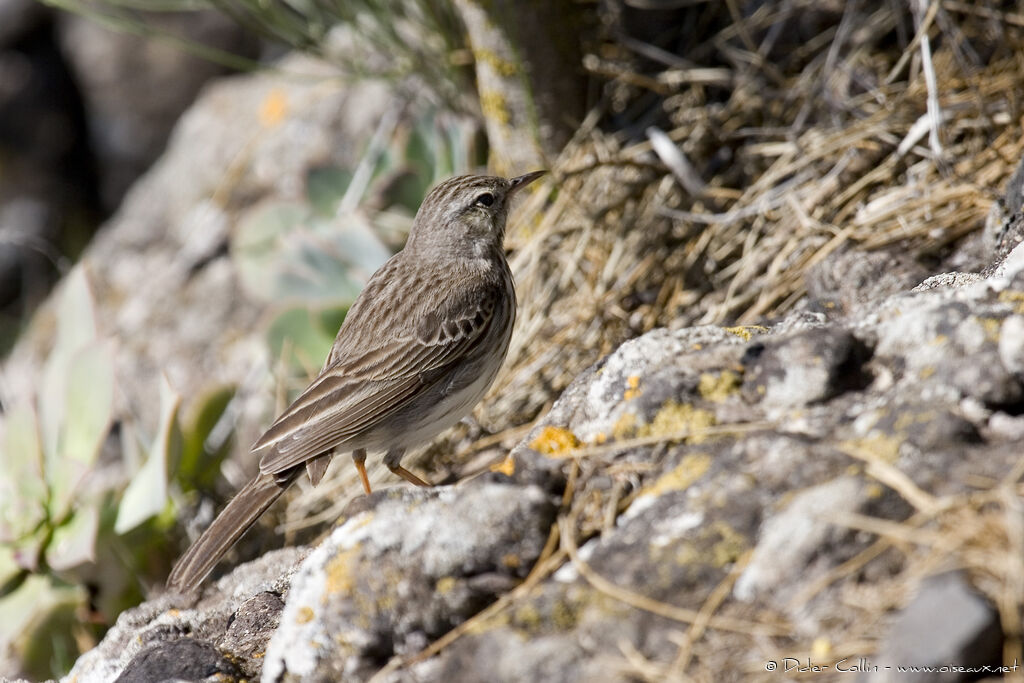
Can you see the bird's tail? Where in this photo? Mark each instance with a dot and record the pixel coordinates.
(240, 514)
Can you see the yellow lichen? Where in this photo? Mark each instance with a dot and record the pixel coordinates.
(305, 615)
(502, 67)
(991, 327)
(528, 616)
(633, 383)
(718, 387)
(339, 574)
(563, 615)
(679, 419)
(927, 371)
(746, 332)
(691, 468)
(444, 585)
(495, 107)
(907, 420)
(1014, 298)
(554, 440)
(625, 426)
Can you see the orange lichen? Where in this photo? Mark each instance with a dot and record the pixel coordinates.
(274, 108)
(506, 466)
(633, 382)
(554, 440)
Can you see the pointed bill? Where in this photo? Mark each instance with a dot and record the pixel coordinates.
(519, 182)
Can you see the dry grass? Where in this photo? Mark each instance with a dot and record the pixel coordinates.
(840, 160)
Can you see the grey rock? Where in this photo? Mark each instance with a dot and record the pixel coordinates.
(135, 88)
(233, 615)
(789, 539)
(681, 471)
(946, 623)
(804, 368)
(1004, 225)
(183, 659)
(17, 17)
(849, 278)
(402, 572)
(249, 629)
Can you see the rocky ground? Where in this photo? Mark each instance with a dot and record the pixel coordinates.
(839, 489)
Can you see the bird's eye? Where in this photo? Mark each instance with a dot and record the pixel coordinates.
(486, 199)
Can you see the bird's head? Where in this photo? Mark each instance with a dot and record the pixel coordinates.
(467, 214)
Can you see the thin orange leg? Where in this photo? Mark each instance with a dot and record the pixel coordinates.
(359, 458)
(407, 475)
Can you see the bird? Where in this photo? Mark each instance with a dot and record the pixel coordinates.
(417, 350)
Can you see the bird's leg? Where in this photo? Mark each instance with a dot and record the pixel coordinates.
(359, 458)
(392, 459)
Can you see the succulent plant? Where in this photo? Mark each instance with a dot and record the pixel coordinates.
(308, 259)
(79, 526)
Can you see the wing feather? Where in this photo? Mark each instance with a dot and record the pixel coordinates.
(366, 382)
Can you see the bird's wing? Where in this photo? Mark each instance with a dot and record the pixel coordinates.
(387, 357)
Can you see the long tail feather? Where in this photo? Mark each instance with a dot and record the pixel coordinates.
(240, 514)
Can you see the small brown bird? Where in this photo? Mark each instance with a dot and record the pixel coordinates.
(418, 349)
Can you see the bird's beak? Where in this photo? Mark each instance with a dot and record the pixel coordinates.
(519, 182)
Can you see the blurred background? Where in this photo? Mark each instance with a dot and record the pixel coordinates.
(192, 192)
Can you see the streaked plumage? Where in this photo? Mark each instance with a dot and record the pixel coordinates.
(418, 349)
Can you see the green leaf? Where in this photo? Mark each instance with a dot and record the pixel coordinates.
(419, 150)
(25, 607)
(22, 484)
(259, 242)
(299, 338)
(325, 187)
(76, 318)
(408, 190)
(76, 329)
(146, 494)
(88, 408)
(9, 567)
(39, 620)
(200, 459)
(74, 541)
(285, 254)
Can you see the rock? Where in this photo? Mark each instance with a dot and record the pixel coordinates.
(403, 572)
(1004, 226)
(850, 278)
(49, 195)
(17, 17)
(782, 377)
(250, 627)
(235, 616)
(182, 659)
(135, 88)
(790, 538)
(946, 623)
